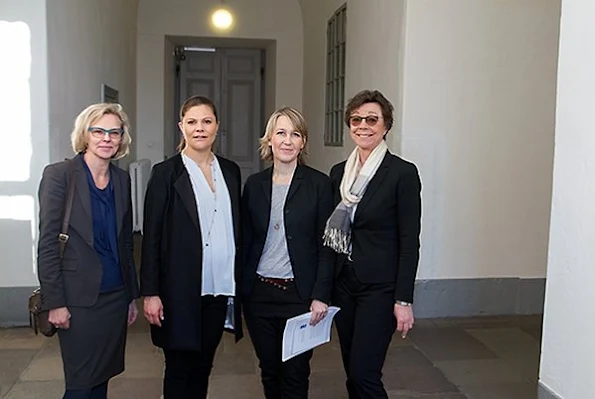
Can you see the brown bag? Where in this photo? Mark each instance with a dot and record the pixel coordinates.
(38, 316)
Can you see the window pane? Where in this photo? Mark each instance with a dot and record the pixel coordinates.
(335, 78)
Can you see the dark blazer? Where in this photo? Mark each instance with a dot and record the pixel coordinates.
(386, 227)
(76, 279)
(171, 263)
(308, 205)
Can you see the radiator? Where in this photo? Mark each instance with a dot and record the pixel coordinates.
(139, 174)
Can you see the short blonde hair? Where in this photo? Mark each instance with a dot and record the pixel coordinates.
(89, 115)
(299, 124)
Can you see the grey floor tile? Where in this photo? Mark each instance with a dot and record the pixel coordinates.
(36, 390)
(511, 342)
(417, 380)
(502, 391)
(143, 366)
(475, 322)
(14, 361)
(20, 338)
(408, 356)
(479, 372)
(519, 349)
(235, 358)
(328, 385)
(44, 368)
(450, 343)
(410, 395)
(327, 357)
(135, 388)
(235, 386)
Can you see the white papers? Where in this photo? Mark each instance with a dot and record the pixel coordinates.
(299, 336)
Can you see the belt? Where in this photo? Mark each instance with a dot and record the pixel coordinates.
(280, 283)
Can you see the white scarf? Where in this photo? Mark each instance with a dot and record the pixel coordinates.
(337, 233)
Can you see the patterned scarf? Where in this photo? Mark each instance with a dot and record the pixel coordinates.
(337, 234)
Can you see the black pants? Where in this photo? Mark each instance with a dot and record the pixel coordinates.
(365, 326)
(187, 372)
(97, 392)
(266, 322)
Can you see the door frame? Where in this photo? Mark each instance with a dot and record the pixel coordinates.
(172, 105)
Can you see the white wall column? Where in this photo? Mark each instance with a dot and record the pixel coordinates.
(25, 135)
(568, 352)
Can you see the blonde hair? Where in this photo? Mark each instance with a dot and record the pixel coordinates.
(299, 124)
(93, 112)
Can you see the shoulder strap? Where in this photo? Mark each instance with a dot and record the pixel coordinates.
(63, 237)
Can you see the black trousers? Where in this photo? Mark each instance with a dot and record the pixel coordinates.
(97, 392)
(187, 372)
(365, 326)
(266, 311)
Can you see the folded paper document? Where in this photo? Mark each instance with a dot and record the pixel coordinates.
(300, 336)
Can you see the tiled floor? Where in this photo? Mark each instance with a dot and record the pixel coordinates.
(475, 358)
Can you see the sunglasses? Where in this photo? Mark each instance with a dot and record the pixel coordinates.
(99, 132)
(371, 120)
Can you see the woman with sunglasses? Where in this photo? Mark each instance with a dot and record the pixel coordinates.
(375, 228)
(287, 270)
(89, 290)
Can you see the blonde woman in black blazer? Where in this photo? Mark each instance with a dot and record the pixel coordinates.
(287, 270)
(375, 227)
(90, 292)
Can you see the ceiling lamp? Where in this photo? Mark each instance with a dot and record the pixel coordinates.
(222, 19)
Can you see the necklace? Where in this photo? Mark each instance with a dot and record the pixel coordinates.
(213, 171)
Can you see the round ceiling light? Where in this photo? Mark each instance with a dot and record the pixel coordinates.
(222, 19)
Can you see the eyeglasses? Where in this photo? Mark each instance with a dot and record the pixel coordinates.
(99, 132)
(371, 120)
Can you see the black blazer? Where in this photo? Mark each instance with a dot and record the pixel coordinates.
(308, 205)
(386, 227)
(76, 279)
(171, 263)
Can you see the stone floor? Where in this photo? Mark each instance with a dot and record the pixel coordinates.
(475, 358)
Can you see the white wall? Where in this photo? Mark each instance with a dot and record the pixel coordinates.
(278, 20)
(373, 61)
(567, 366)
(478, 120)
(25, 134)
(90, 42)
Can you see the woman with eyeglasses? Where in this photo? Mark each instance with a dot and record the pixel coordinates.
(287, 270)
(190, 246)
(375, 228)
(89, 290)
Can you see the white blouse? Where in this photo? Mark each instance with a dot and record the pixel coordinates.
(216, 227)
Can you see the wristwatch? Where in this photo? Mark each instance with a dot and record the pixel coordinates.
(402, 303)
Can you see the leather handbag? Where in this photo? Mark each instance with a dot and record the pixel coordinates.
(38, 316)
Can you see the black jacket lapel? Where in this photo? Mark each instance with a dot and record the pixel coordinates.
(267, 185)
(84, 196)
(296, 181)
(184, 188)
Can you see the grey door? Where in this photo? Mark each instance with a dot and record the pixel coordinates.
(232, 78)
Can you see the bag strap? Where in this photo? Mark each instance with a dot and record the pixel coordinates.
(63, 236)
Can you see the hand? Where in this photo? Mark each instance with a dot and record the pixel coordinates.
(319, 310)
(404, 316)
(60, 317)
(132, 312)
(153, 310)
